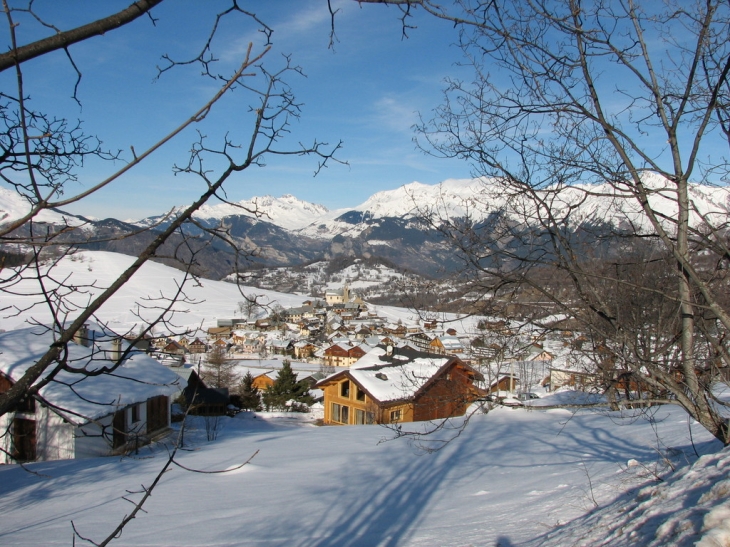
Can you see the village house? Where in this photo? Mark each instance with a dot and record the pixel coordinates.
(420, 340)
(294, 315)
(506, 383)
(77, 415)
(197, 346)
(342, 354)
(577, 379)
(281, 347)
(265, 380)
(394, 329)
(175, 348)
(394, 386)
(219, 333)
(253, 345)
(304, 349)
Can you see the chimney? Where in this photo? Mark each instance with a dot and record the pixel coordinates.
(116, 352)
(82, 336)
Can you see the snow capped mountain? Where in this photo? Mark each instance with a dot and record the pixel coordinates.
(287, 212)
(287, 231)
(477, 199)
(410, 199)
(409, 202)
(13, 207)
(480, 198)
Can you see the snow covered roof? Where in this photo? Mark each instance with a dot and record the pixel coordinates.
(80, 398)
(451, 342)
(394, 377)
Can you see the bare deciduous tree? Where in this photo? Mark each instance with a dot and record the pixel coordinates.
(218, 371)
(616, 105)
(40, 154)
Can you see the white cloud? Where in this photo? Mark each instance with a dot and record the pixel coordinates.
(397, 113)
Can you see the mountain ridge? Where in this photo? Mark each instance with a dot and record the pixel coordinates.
(287, 231)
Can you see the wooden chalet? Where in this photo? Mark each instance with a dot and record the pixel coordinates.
(175, 348)
(506, 382)
(198, 346)
(265, 380)
(420, 340)
(219, 333)
(393, 386)
(342, 354)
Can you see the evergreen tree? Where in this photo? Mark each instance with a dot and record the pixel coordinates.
(287, 388)
(249, 394)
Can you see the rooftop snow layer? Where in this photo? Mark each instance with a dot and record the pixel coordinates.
(85, 398)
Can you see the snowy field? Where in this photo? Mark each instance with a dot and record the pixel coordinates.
(92, 271)
(513, 477)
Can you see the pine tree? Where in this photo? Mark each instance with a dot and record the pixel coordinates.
(287, 388)
(249, 394)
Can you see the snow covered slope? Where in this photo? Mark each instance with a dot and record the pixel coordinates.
(513, 478)
(92, 271)
(13, 206)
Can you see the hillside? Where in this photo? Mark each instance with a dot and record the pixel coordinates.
(514, 477)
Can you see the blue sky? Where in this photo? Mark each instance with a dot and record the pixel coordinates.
(367, 93)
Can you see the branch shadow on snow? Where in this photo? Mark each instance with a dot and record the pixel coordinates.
(57, 476)
(393, 498)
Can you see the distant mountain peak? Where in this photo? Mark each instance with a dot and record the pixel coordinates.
(287, 212)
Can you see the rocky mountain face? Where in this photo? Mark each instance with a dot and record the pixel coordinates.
(400, 226)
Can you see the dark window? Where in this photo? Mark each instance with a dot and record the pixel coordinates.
(345, 389)
(360, 394)
(362, 417)
(340, 413)
(135, 414)
(396, 415)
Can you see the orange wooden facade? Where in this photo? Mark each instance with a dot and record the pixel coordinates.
(448, 393)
